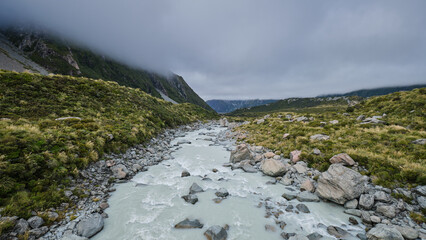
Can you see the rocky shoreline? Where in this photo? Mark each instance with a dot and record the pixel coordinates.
(384, 216)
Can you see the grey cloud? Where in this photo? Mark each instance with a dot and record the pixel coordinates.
(248, 49)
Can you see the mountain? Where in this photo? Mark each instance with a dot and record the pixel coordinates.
(299, 105)
(52, 126)
(376, 91)
(61, 57)
(226, 106)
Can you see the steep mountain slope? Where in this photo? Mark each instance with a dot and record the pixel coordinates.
(299, 105)
(226, 106)
(61, 57)
(39, 150)
(376, 91)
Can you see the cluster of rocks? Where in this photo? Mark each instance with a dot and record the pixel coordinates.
(88, 193)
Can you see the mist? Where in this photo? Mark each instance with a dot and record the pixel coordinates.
(247, 49)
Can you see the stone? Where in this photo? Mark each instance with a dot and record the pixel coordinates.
(119, 171)
(385, 232)
(68, 118)
(286, 135)
(314, 236)
(185, 174)
(421, 190)
(365, 217)
(360, 118)
(136, 167)
(361, 236)
(343, 158)
(388, 211)
(270, 228)
(195, 188)
(104, 205)
(38, 232)
(422, 201)
(35, 221)
(273, 168)
(247, 167)
(289, 195)
(375, 219)
(300, 168)
(319, 137)
(381, 196)
(222, 192)
(366, 201)
(302, 208)
(353, 221)
(353, 212)
(189, 224)
(295, 156)
(287, 236)
(52, 216)
(242, 152)
(421, 141)
(180, 142)
(216, 232)
(90, 225)
(21, 226)
(334, 122)
(269, 155)
(408, 232)
(307, 197)
(316, 151)
(307, 185)
(337, 232)
(340, 184)
(351, 204)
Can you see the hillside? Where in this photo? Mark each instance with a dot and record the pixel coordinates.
(376, 91)
(226, 106)
(298, 105)
(60, 57)
(385, 146)
(40, 147)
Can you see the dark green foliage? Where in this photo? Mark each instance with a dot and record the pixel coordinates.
(376, 91)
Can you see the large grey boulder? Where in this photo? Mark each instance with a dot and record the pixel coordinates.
(216, 232)
(273, 168)
(189, 224)
(384, 232)
(340, 184)
(119, 171)
(35, 221)
(242, 152)
(91, 225)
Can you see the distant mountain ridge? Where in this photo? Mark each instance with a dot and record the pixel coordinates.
(60, 57)
(376, 91)
(226, 106)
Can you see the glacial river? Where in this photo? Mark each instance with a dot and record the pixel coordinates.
(150, 209)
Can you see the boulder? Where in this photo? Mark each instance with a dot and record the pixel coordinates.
(343, 158)
(338, 232)
(189, 224)
(35, 221)
(247, 167)
(353, 212)
(185, 174)
(351, 204)
(242, 152)
(21, 226)
(119, 171)
(307, 185)
(388, 211)
(91, 225)
(195, 188)
(295, 156)
(366, 201)
(273, 168)
(422, 201)
(408, 232)
(302, 208)
(421, 141)
(38, 232)
(269, 155)
(289, 195)
(222, 192)
(216, 233)
(320, 137)
(314, 236)
(307, 197)
(190, 198)
(385, 232)
(340, 184)
(381, 196)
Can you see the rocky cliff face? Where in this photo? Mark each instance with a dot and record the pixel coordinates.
(60, 57)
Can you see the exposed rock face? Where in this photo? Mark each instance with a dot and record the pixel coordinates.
(120, 171)
(189, 224)
(343, 158)
(273, 168)
(242, 152)
(88, 227)
(216, 233)
(340, 184)
(385, 232)
(295, 156)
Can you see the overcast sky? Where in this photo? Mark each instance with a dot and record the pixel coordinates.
(244, 49)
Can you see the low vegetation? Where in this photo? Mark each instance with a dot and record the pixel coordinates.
(39, 151)
(385, 151)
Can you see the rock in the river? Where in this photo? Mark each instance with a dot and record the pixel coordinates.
(180, 142)
(298, 237)
(185, 174)
(216, 232)
(222, 192)
(303, 208)
(247, 167)
(73, 237)
(340, 184)
(314, 236)
(295, 156)
(343, 158)
(273, 168)
(120, 171)
(408, 232)
(385, 232)
(289, 195)
(242, 152)
(353, 221)
(388, 211)
(91, 225)
(190, 198)
(307, 197)
(189, 224)
(320, 137)
(35, 221)
(195, 188)
(351, 204)
(354, 212)
(21, 226)
(366, 201)
(337, 232)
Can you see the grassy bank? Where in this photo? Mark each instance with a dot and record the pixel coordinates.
(38, 153)
(386, 150)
